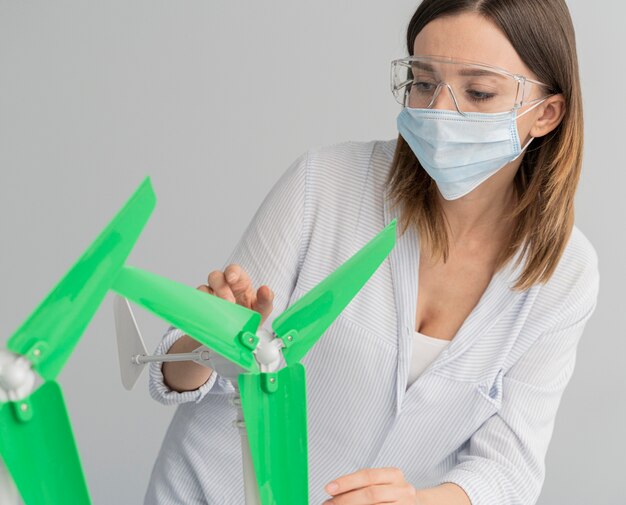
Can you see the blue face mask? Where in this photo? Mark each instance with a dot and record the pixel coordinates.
(461, 152)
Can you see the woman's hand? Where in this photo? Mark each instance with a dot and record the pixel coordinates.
(372, 486)
(235, 285)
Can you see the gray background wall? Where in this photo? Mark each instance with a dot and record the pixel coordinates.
(96, 95)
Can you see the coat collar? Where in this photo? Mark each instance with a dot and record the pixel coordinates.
(404, 264)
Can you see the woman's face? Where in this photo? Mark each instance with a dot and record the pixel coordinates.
(470, 36)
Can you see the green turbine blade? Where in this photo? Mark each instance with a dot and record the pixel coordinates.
(227, 328)
(308, 318)
(51, 332)
(275, 417)
(38, 448)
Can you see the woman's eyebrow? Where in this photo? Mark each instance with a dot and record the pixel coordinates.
(477, 72)
(422, 66)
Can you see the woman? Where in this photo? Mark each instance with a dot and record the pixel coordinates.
(440, 382)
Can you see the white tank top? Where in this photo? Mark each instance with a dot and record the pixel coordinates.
(425, 350)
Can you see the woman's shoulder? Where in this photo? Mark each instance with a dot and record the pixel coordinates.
(572, 290)
(580, 249)
(351, 156)
(579, 262)
(340, 175)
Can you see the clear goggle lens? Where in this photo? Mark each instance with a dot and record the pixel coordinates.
(422, 82)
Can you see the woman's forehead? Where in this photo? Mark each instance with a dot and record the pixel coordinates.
(469, 36)
(463, 68)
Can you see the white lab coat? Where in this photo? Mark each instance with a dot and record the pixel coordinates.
(481, 415)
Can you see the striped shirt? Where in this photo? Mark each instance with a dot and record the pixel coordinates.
(481, 415)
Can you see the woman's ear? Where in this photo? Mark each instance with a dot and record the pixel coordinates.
(550, 114)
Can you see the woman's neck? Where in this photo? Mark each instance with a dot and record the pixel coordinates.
(478, 218)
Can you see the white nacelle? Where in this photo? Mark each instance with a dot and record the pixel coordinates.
(17, 378)
(267, 354)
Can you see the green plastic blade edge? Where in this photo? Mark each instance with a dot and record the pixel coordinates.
(277, 432)
(38, 448)
(314, 312)
(51, 332)
(214, 322)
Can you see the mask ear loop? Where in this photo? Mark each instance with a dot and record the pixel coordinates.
(531, 138)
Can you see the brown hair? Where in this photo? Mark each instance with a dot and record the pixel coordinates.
(542, 33)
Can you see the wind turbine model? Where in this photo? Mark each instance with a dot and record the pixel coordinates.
(36, 439)
(269, 396)
(132, 352)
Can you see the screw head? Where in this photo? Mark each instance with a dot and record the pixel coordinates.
(272, 380)
(250, 339)
(290, 338)
(23, 407)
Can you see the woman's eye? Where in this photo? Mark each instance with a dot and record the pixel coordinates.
(423, 86)
(479, 96)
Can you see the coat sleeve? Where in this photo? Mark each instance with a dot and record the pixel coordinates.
(270, 251)
(503, 462)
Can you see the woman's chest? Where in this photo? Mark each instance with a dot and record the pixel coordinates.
(448, 292)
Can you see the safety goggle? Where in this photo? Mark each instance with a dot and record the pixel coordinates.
(417, 81)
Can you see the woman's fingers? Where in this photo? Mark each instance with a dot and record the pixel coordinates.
(240, 285)
(220, 287)
(235, 285)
